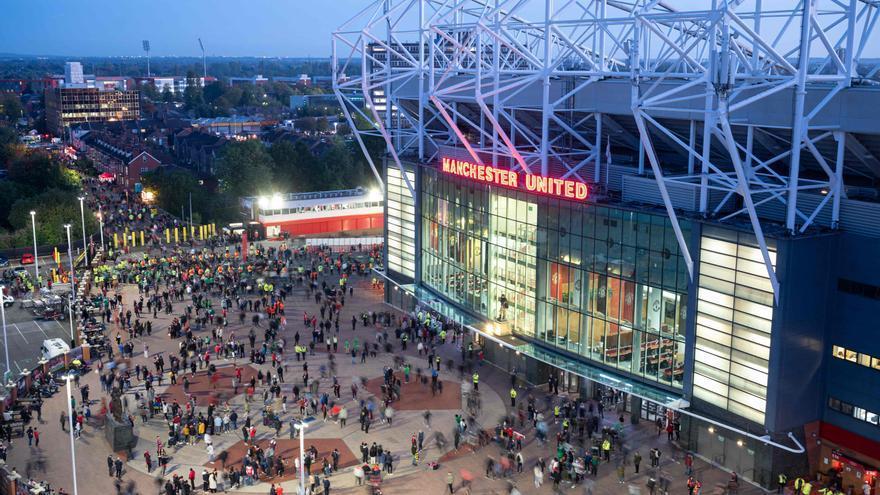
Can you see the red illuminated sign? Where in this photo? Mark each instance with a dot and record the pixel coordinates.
(487, 174)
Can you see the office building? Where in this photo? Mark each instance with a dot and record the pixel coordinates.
(73, 74)
(174, 84)
(622, 209)
(66, 106)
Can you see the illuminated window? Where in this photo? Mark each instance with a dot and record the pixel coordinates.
(734, 324)
(839, 352)
(851, 355)
(864, 360)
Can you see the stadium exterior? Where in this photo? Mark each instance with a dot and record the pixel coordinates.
(678, 203)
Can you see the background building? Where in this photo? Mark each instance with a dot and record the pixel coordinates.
(66, 106)
(353, 211)
(681, 217)
(73, 73)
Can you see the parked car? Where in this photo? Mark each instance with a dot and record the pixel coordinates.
(7, 300)
(27, 259)
(4, 261)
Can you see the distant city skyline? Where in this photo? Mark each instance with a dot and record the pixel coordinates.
(95, 28)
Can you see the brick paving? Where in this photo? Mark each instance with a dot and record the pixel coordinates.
(207, 392)
(92, 449)
(289, 450)
(417, 397)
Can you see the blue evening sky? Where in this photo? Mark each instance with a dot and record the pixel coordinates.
(288, 28)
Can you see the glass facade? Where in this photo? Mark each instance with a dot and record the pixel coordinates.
(734, 320)
(401, 222)
(605, 283)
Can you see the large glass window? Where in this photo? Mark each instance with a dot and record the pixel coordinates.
(400, 223)
(583, 278)
(734, 320)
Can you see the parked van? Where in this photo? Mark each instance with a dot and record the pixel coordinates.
(53, 348)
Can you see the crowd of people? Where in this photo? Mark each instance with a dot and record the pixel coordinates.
(223, 303)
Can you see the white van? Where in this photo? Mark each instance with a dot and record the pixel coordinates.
(52, 348)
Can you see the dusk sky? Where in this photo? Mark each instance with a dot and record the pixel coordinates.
(230, 28)
(285, 28)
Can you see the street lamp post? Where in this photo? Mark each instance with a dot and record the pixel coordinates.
(101, 220)
(72, 283)
(70, 422)
(82, 212)
(3, 315)
(36, 255)
(301, 426)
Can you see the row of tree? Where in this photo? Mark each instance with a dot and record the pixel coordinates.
(39, 67)
(247, 168)
(37, 182)
(219, 99)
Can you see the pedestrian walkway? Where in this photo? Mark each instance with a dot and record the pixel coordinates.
(408, 420)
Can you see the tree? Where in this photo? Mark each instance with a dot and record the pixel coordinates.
(213, 91)
(174, 187)
(343, 129)
(335, 167)
(245, 168)
(167, 95)
(10, 107)
(322, 125)
(192, 95)
(39, 172)
(307, 124)
(10, 192)
(148, 90)
(294, 167)
(248, 96)
(54, 208)
(9, 147)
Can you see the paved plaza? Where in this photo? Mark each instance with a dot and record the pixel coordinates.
(51, 460)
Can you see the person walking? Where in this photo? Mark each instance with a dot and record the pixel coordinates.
(781, 481)
(637, 459)
(110, 466)
(449, 481)
(688, 464)
(117, 465)
(539, 476)
(513, 398)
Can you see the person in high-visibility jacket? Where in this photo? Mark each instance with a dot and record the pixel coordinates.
(781, 481)
(799, 485)
(513, 397)
(808, 487)
(606, 449)
(476, 380)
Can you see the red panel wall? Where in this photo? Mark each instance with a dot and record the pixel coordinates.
(332, 225)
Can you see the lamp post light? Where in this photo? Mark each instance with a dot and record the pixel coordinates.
(72, 283)
(82, 213)
(301, 426)
(70, 422)
(101, 220)
(5, 342)
(36, 255)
